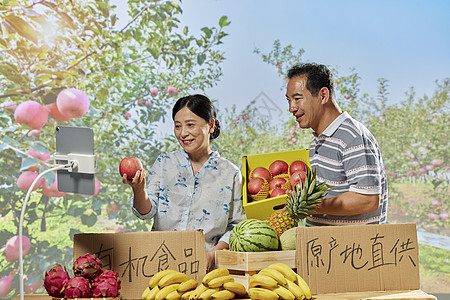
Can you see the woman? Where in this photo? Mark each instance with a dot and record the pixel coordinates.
(193, 188)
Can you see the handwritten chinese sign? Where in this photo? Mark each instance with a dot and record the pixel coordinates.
(359, 258)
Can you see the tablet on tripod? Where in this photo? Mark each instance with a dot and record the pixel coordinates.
(79, 141)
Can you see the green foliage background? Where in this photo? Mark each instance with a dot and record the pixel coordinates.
(118, 67)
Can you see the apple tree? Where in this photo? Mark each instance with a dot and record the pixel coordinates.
(130, 76)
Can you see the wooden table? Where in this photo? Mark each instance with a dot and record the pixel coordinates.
(394, 295)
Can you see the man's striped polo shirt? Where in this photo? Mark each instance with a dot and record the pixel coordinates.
(347, 157)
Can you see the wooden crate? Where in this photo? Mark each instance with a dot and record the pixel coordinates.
(242, 265)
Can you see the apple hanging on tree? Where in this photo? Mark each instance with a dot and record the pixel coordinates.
(129, 166)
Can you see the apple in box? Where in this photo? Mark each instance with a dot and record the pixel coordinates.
(277, 182)
(278, 167)
(296, 177)
(297, 165)
(261, 172)
(277, 192)
(129, 166)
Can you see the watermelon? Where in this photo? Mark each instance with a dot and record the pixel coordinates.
(253, 235)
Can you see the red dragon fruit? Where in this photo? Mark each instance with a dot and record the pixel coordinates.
(55, 280)
(77, 287)
(87, 266)
(106, 285)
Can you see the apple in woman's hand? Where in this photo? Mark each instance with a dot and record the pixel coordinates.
(129, 166)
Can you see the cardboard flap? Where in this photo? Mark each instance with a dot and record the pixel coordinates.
(137, 256)
(335, 259)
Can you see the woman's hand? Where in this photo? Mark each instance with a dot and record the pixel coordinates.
(138, 182)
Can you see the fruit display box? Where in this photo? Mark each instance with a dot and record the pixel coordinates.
(262, 209)
(242, 265)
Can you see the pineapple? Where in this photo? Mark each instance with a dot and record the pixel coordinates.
(302, 200)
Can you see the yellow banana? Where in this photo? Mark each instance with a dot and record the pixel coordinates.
(145, 293)
(162, 294)
(296, 290)
(152, 294)
(174, 295)
(206, 295)
(186, 295)
(260, 280)
(235, 287)
(222, 295)
(285, 270)
(304, 286)
(187, 285)
(219, 281)
(275, 274)
(157, 277)
(215, 273)
(198, 291)
(284, 293)
(176, 277)
(262, 294)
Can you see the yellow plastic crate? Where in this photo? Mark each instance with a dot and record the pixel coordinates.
(262, 209)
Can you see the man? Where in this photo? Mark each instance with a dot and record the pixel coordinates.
(343, 152)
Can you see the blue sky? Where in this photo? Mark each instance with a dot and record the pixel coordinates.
(404, 41)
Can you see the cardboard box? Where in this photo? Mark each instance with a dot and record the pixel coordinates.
(360, 258)
(262, 209)
(344, 262)
(137, 256)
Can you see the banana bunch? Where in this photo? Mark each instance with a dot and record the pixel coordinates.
(168, 285)
(278, 281)
(218, 285)
(173, 285)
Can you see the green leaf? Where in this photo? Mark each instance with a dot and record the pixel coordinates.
(28, 162)
(208, 32)
(22, 28)
(224, 21)
(89, 220)
(201, 58)
(185, 30)
(3, 146)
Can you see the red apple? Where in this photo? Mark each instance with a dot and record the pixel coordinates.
(278, 167)
(141, 102)
(6, 284)
(277, 192)
(12, 247)
(32, 114)
(261, 172)
(129, 166)
(35, 133)
(53, 111)
(72, 103)
(277, 182)
(154, 92)
(112, 207)
(172, 91)
(26, 179)
(255, 185)
(297, 165)
(295, 178)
